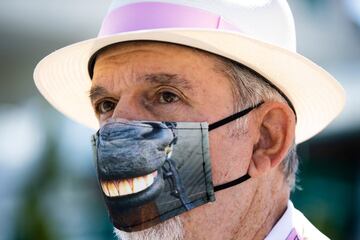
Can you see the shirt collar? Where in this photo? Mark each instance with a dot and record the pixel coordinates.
(284, 227)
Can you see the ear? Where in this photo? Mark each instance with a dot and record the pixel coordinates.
(274, 129)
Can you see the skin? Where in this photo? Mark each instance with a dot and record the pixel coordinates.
(124, 87)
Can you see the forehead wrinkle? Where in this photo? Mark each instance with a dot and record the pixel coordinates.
(166, 79)
(113, 77)
(120, 56)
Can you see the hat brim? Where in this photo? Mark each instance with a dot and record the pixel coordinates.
(63, 77)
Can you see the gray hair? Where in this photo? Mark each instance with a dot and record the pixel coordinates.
(250, 88)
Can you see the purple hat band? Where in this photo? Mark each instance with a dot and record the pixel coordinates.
(154, 15)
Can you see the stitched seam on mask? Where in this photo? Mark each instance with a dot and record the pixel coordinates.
(204, 164)
(145, 126)
(114, 134)
(97, 159)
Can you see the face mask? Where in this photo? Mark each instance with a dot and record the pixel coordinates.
(152, 171)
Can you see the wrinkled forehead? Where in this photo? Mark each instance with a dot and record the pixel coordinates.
(118, 49)
(147, 44)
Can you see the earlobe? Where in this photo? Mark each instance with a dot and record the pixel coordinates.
(275, 133)
(260, 163)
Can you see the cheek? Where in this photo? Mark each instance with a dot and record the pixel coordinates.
(230, 157)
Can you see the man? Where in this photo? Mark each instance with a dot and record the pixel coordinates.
(156, 75)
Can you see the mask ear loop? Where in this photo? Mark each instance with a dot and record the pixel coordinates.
(233, 117)
(232, 183)
(221, 123)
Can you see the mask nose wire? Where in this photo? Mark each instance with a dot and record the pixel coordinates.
(221, 123)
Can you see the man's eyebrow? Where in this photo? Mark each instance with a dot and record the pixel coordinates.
(97, 92)
(168, 79)
(154, 78)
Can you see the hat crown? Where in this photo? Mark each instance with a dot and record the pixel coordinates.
(266, 20)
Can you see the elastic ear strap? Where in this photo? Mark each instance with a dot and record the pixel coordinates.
(232, 183)
(221, 123)
(232, 117)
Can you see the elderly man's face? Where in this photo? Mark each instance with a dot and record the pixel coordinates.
(165, 82)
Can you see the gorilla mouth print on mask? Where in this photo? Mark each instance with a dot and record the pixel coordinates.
(151, 171)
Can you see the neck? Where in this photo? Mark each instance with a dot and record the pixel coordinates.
(263, 213)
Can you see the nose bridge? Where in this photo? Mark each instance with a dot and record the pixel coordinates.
(130, 108)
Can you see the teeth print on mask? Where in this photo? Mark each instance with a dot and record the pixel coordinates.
(151, 171)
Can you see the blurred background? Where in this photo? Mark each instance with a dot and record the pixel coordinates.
(47, 180)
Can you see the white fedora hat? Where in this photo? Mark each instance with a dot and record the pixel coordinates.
(259, 34)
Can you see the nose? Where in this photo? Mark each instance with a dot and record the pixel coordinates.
(131, 108)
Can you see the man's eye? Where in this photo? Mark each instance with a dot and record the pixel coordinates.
(168, 97)
(105, 107)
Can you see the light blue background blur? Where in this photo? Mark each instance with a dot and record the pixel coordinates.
(47, 182)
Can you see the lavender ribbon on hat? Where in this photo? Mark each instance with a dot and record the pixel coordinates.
(157, 15)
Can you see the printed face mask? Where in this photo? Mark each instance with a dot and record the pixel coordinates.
(152, 171)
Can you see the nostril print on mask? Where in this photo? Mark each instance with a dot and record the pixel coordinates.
(128, 186)
(130, 155)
